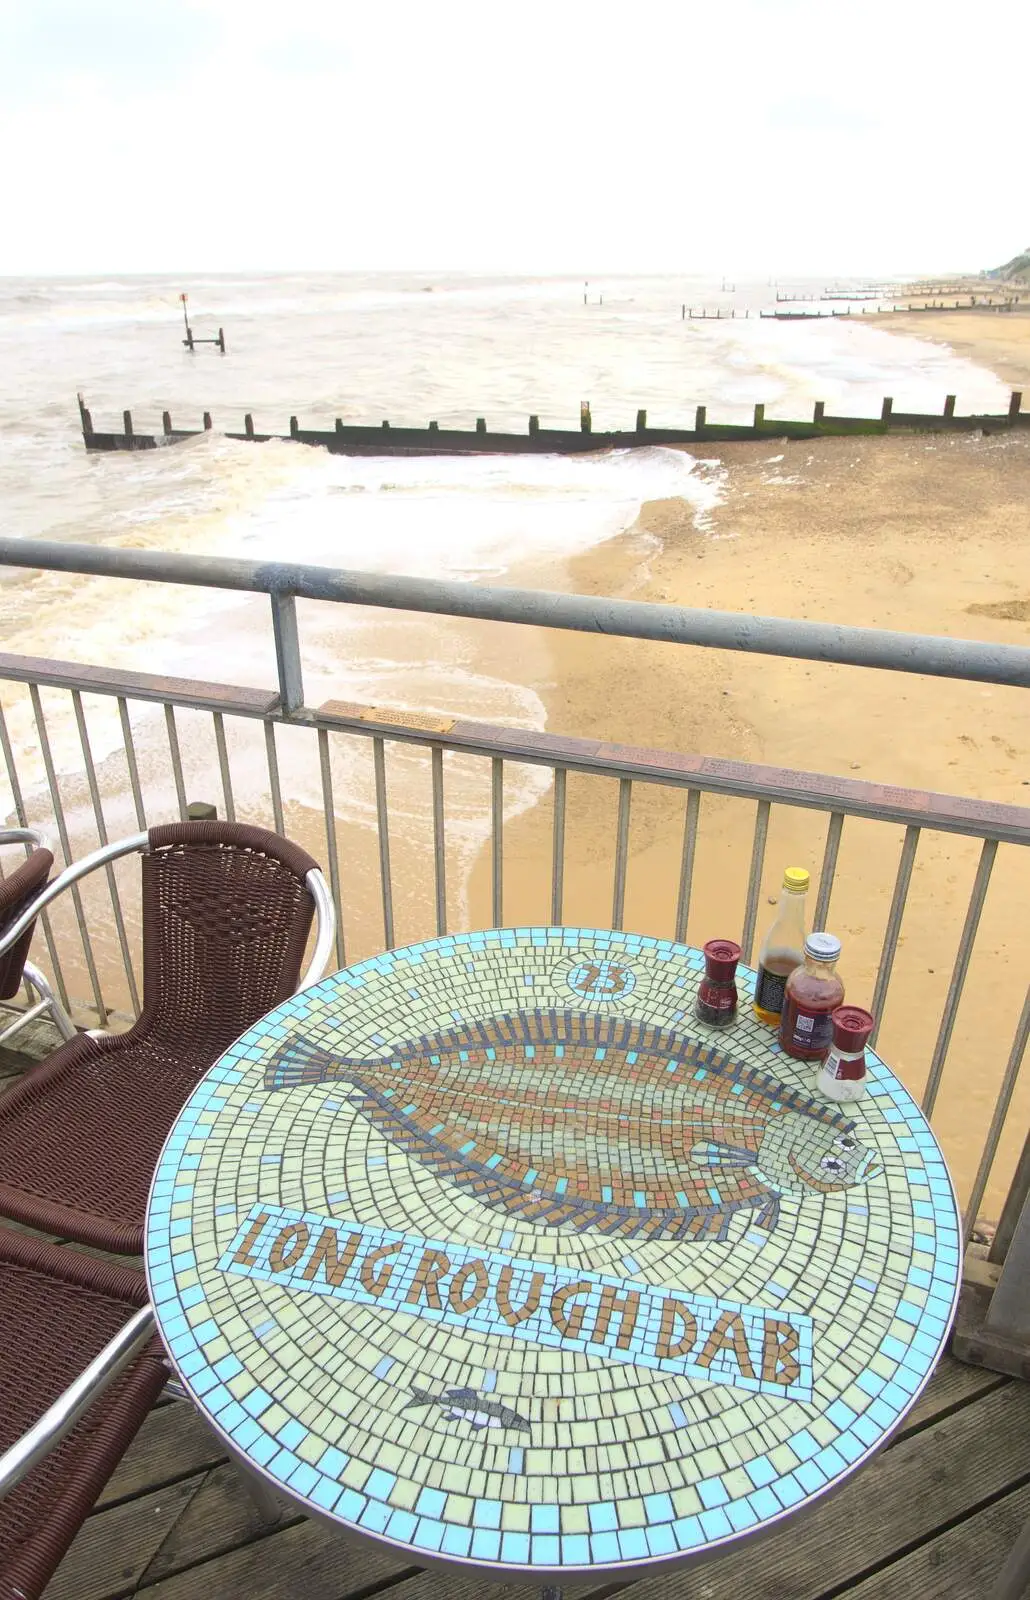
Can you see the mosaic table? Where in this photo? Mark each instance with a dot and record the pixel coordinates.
(488, 1249)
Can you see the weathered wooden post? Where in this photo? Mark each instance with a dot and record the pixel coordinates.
(534, 424)
(1016, 402)
(127, 420)
(885, 411)
(188, 341)
(641, 421)
(759, 415)
(221, 340)
(294, 429)
(166, 422)
(818, 410)
(248, 425)
(699, 419)
(949, 405)
(585, 423)
(683, 313)
(87, 422)
(480, 424)
(207, 422)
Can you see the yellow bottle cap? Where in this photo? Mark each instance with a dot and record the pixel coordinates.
(796, 879)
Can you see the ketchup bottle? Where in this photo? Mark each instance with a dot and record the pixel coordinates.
(813, 993)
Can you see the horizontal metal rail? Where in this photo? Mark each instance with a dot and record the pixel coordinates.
(635, 619)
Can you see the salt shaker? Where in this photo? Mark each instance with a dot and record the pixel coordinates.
(842, 1075)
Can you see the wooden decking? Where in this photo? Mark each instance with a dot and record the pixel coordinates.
(931, 1518)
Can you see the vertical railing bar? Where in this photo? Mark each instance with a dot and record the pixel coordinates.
(621, 851)
(20, 813)
(329, 813)
(439, 840)
(383, 828)
(272, 758)
(131, 763)
(223, 766)
(754, 881)
(985, 866)
(558, 848)
(690, 822)
(102, 835)
(497, 837)
(173, 749)
(1001, 1107)
(62, 830)
(894, 916)
(829, 870)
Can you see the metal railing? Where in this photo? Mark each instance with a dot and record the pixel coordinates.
(247, 726)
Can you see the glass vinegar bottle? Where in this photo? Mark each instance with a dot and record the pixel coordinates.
(783, 947)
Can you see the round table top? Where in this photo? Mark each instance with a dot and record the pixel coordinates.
(487, 1248)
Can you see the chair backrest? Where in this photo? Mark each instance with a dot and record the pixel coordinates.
(16, 891)
(226, 915)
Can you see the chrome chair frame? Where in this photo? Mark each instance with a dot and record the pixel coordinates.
(36, 981)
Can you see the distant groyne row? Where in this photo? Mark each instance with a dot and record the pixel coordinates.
(387, 439)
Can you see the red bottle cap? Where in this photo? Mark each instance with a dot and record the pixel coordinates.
(721, 957)
(851, 1028)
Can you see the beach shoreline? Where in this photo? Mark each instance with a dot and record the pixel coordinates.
(919, 533)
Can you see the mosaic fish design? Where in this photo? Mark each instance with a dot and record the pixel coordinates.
(468, 1405)
(576, 1121)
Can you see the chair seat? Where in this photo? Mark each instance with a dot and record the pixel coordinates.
(58, 1308)
(80, 1135)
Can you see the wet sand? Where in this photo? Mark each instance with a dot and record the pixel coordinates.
(925, 534)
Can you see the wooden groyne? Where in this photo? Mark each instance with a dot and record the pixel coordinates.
(347, 439)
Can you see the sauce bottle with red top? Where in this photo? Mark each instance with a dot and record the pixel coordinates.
(813, 993)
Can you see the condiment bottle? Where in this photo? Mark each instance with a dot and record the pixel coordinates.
(782, 949)
(717, 992)
(813, 993)
(842, 1075)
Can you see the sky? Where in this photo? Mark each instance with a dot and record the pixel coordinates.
(771, 136)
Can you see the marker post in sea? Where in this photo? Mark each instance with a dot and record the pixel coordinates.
(191, 339)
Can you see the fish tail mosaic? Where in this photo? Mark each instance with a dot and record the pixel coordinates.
(585, 1122)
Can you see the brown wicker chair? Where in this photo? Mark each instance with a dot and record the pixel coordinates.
(226, 915)
(61, 1437)
(17, 891)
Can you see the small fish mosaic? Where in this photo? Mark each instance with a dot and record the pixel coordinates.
(579, 1121)
(468, 1405)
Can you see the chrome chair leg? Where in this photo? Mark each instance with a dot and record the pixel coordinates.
(48, 1001)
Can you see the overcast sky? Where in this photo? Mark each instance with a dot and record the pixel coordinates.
(526, 135)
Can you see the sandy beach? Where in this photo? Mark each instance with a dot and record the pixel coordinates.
(919, 533)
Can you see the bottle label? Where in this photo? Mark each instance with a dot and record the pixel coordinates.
(813, 1032)
(770, 990)
(845, 1069)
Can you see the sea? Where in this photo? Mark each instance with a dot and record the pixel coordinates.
(402, 347)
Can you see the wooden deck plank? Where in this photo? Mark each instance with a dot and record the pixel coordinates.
(308, 1561)
(953, 1384)
(173, 1443)
(958, 1565)
(114, 1548)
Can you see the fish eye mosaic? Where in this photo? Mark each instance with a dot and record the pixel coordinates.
(488, 1248)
